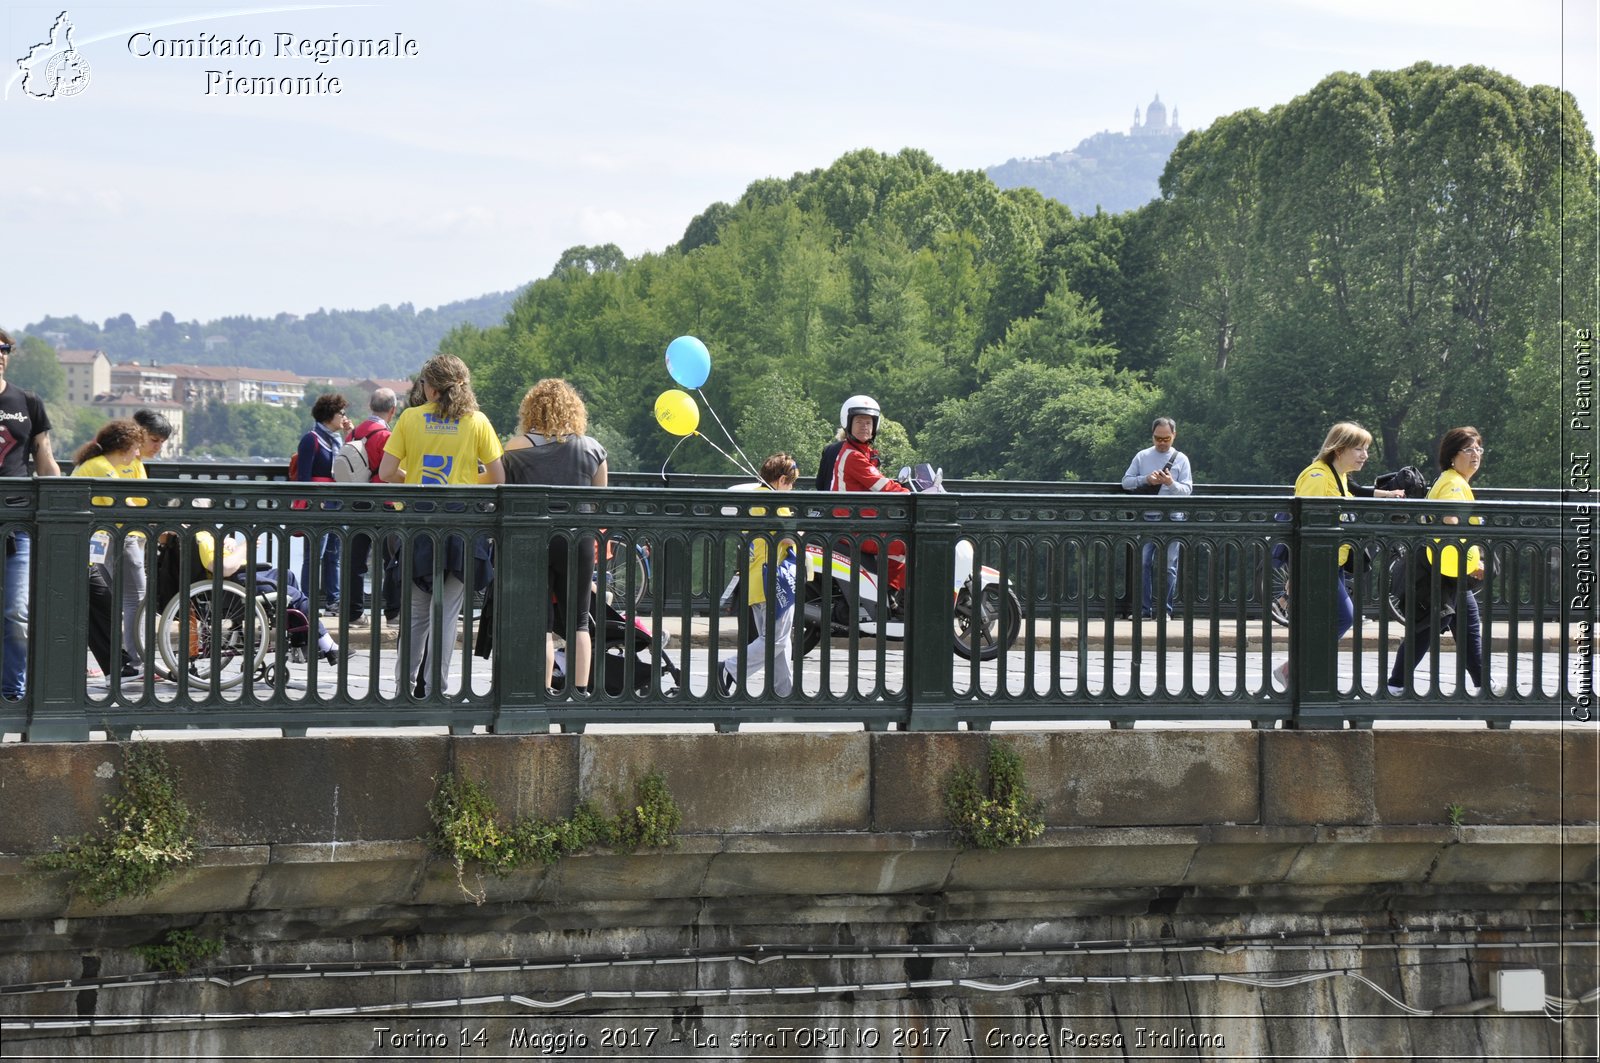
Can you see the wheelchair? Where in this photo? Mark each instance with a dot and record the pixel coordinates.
(222, 632)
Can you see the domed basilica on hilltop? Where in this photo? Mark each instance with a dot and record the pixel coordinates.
(1155, 122)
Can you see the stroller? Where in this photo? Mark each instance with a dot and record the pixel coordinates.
(649, 656)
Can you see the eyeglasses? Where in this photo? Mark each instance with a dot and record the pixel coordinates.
(1162, 439)
(1473, 450)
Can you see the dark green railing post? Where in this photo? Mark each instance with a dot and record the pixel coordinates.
(931, 616)
(1315, 702)
(521, 607)
(58, 617)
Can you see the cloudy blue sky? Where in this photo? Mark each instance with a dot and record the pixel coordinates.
(518, 130)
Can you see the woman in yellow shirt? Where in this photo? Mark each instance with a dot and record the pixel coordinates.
(113, 452)
(1344, 452)
(1460, 458)
(445, 441)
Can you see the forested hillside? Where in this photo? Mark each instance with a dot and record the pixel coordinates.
(389, 342)
(1384, 248)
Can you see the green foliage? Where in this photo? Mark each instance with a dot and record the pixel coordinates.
(1038, 422)
(652, 820)
(1004, 815)
(879, 274)
(146, 835)
(178, 951)
(779, 417)
(1385, 249)
(468, 828)
(246, 429)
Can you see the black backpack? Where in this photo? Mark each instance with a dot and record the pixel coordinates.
(1409, 479)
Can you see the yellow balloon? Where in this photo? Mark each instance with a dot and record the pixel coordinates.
(677, 413)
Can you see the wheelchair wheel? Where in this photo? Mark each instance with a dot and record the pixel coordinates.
(1278, 589)
(211, 639)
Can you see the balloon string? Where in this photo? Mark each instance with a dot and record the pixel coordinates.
(742, 468)
(749, 466)
(674, 450)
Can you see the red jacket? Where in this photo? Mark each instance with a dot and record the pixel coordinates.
(857, 470)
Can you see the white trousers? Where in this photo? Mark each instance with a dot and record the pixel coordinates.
(756, 651)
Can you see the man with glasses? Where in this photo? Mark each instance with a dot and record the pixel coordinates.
(24, 451)
(1159, 470)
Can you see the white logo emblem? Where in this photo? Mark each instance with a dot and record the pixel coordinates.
(54, 67)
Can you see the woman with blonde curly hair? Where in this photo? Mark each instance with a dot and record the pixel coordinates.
(552, 449)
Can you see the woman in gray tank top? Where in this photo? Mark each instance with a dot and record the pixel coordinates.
(552, 449)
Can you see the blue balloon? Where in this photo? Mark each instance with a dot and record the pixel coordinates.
(688, 361)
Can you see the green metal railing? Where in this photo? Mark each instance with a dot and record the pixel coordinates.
(1068, 562)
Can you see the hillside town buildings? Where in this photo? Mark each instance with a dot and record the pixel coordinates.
(117, 390)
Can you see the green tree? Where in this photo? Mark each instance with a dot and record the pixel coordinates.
(1032, 421)
(778, 417)
(33, 365)
(1383, 248)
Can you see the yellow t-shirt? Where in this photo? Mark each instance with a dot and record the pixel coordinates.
(101, 466)
(233, 552)
(1318, 480)
(436, 451)
(1451, 486)
(756, 575)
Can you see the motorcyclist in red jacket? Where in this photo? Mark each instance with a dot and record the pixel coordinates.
(857, 470)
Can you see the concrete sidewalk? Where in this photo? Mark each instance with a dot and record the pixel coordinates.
(1500, 637)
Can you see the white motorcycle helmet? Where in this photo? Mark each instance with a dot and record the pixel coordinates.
(856, 405)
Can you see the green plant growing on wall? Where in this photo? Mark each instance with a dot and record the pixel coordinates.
(1004, 815)
(468, 828)
(178, 951)
(652, 820)
(145, 836)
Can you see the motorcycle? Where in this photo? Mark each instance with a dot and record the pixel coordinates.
(986, 622)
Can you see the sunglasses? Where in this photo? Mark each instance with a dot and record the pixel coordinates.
(5, 348)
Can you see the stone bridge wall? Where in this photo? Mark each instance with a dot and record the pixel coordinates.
(829, 854)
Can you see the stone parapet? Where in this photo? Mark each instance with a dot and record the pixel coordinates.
(1251, 819)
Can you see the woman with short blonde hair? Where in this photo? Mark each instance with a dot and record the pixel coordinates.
(1344, 451)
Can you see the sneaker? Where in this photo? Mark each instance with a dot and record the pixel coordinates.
(1394, 691)
(331, 656)
(1497, 687)
(330, 610)
(1280, 676)
(724, 681)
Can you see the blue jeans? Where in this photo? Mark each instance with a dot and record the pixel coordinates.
(14, 662)
(328, 550)
(1464, 624)
(1148, 592)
